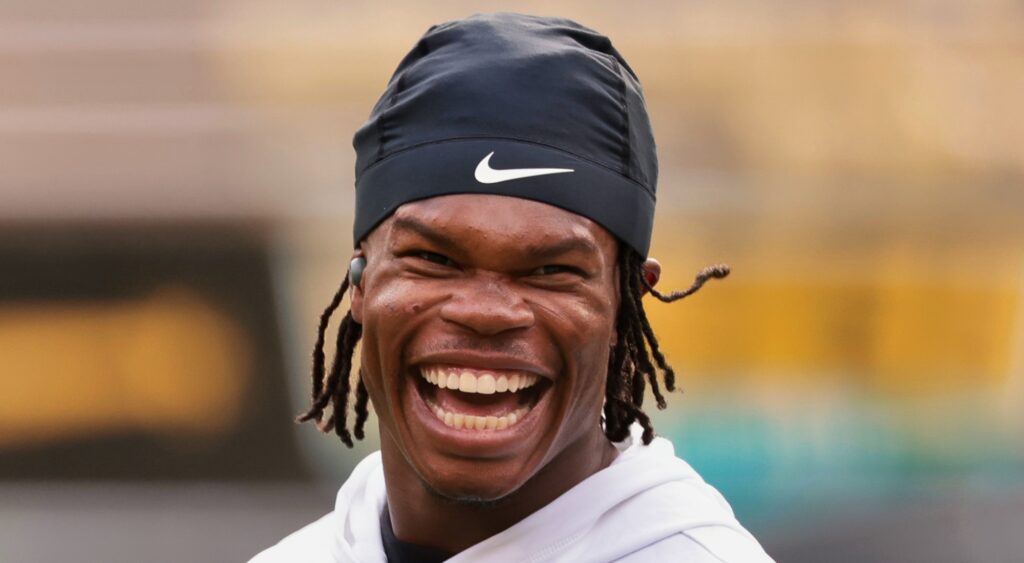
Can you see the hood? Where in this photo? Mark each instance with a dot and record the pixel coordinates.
(645, 496)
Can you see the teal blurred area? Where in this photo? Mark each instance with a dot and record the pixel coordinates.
(175, 212)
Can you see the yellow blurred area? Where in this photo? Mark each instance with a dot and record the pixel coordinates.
(903, 338)
(915, 325)
(167, 363)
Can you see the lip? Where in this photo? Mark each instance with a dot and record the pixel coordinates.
(478, 444)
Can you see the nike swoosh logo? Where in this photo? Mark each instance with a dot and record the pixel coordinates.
(487, 175)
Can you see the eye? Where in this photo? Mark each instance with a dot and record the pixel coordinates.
(439, 259)
(552, 269)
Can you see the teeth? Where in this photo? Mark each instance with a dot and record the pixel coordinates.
(473, 422)
(480, 382)
(467, 383)
(483, 383)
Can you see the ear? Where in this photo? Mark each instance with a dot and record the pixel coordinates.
(652, 273)
(356, 291)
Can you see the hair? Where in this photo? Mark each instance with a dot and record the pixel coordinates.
(633, 363)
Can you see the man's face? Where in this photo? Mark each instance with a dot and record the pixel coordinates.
(487, 322)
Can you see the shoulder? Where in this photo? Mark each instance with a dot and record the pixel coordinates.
(693, 546)
(685, 518)
(350, 533)
(311, 543)
(678, 547)
(682, 521)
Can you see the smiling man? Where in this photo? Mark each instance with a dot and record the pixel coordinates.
(504, 204)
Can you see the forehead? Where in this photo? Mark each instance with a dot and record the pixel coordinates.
(498, 222)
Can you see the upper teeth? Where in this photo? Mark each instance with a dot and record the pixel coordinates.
(478, 382)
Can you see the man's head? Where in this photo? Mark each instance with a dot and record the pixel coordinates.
(500, 306)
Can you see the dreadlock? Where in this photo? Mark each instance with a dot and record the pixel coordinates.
(633, 362)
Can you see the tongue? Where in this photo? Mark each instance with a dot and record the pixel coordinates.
(497, 404)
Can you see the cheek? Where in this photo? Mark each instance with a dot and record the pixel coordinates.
(584, 330)
(392, 314)
(594, 326)
(592, 359)
(395, 301)
(388, 320)
(594, 319)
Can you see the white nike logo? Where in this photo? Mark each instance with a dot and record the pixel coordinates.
(487, 175)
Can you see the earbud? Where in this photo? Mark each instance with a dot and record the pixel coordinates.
(355, 270)
(651, 278)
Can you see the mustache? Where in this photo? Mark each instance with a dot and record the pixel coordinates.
(505, 346)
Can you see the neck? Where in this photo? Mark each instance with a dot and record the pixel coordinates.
(422, 516)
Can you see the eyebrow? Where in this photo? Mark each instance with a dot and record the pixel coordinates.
(425, 231)
(564, 246)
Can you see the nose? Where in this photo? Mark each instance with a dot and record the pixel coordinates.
(487, 307)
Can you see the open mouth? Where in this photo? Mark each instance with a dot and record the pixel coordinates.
(479, 400)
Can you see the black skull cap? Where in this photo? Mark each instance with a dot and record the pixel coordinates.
(509, 104)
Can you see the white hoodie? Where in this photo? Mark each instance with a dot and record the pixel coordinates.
(647, 506)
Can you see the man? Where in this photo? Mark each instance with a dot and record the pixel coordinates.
(504, 205)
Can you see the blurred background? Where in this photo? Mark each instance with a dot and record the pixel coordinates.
(176, 207)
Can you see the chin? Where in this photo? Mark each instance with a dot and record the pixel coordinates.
(469, 496)
(476, 483)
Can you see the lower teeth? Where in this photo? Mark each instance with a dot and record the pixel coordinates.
(473, 422)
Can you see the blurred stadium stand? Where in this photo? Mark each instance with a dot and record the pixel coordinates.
(175, 211)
